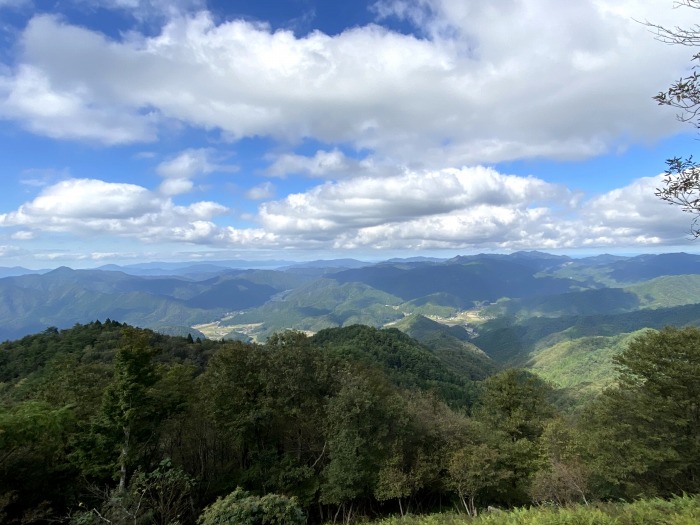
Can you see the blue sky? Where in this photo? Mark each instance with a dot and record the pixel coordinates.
(140, 130)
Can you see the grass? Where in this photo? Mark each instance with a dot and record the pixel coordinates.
(682, 510)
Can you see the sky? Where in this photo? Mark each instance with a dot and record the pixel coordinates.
(196, 130)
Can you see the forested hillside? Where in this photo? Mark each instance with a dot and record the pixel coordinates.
(104, 422)
(560, 316)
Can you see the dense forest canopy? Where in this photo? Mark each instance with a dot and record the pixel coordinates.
(108, 423)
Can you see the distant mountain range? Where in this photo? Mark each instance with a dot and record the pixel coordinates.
(520, 308)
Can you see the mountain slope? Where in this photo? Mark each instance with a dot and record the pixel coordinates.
(583, 366)
(507, 340)
(408, 363)
(63, 297)
(476, 280)
(449, 344)
(322, 303)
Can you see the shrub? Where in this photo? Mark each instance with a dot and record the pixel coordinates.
(242, 508)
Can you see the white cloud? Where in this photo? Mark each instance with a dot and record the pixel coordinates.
(86, 199)
(95, 207)
(469, 208)
(490, 81)
(180, 169)
(187, 164)
(262, 191)
(11, 251)
(323, 164)
(69, 113)
(494, 82)
(634, 215)
(333, 164)
(175, 186)
(369, 202)
(22, 235)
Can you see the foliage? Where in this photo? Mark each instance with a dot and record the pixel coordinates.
(406, 362)
(349, 424)
(240, 507)
(582, 366)
(650, 422)
(161, 497)
(564, 478)
(682, 178)
(34, 467)
(472, 469)
(449, 344)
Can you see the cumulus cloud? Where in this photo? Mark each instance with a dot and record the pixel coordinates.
(90, 206)
(490, 83)
(634, 215)
(179, 170)
(187, 164)
(332, 163)
(392, 115)
(70, 112)
(369, 202)
(471, 208)
(468, 208)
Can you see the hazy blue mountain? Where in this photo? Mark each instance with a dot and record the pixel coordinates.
(15, 271)
(414, 260)
(63, 297)
(538, 261)
(585, 302)
(644, 267)
(471, 279)
(609, 270)
(332, 263)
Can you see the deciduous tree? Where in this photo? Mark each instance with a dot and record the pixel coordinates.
(681, 185)
(646, 431)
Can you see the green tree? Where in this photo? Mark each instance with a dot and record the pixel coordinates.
(35, 473)
(357, 429)
(516, 402)
(128, 416)
(563, 479)
(646, 431)
(241, 507)
(472, 469)
(513, 410)
(160, 497)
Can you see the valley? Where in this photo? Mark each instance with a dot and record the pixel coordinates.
(561, 317)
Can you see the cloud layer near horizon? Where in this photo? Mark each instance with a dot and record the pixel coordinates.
(449, 209)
